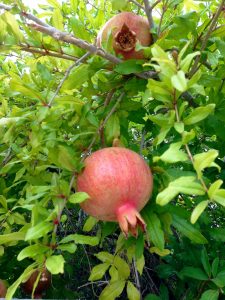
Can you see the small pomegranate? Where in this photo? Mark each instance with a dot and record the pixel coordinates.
(43, 284)
(119, 183)
(127, 30)
(3, 289)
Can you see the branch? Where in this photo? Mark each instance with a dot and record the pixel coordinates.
(148, 11)
(80, 60)
(5, 7)
(205, 40)
(70, 39)
(48, 53)
(138, 4)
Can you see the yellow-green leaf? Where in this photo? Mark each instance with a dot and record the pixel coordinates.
(132, 292)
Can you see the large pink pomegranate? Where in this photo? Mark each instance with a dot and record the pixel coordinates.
(119, 183)
(127, 30)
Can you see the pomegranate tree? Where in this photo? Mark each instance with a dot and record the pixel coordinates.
(119, 183)
(127, 30)
(43, 284)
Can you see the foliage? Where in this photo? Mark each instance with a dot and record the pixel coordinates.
(60, 101)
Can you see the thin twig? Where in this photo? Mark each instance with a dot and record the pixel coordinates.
(101, 127)
(205, 40)
(188, 149)
(48, 53)
(109, 97)
(80, 60)
(164, 8)
(142, 143)
(137, 3)
(137, 280)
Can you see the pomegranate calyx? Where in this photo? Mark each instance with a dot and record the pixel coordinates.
(129, 219)
(125, 39)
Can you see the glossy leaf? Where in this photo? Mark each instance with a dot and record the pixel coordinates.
(188, 230)
(132, 292)
(55, 264)
(78, 197)
(98, 271)
(113, 290)
(198, 210)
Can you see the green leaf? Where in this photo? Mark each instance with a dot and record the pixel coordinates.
(113, 272)
(3, 202)
(154, 229)
(214, 187)
(132, 292)
(219, 197)
(179, 127)
(25, 90)
(122, 267)
(89, 224)
(152, 297)
(173, 154)
(159, 90)
(13, 25)
(70, 247)
(163, 252)
(198, 210)
(105, 257)
(167, 65)
(215, 265)
(66, 158)
(32, 251)
(12, 237)
(220, 279)
(98, 271)
(81, 239)
(199, 114)
(195, 273)
(38, 231)
(185, 184)
(113, 290)
(55, 264)
(129, 66)
(112, 129)
(140, 263)
(205, 160)
(179, 81)
(77, 77)
(188, 230)
(205, 262)
(78, 197)
(119, 4)
(210, 295)
(2, 250)
(185, 63)
(57, 19)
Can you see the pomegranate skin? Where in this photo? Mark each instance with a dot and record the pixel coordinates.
(119, 183)
(3, 289)
(43, 284)
(127, 30)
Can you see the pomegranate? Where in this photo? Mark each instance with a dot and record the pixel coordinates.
(3, 289)
(127, 30)
(43, 284)
(119, 183)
